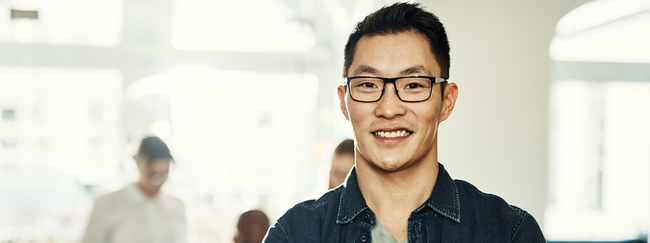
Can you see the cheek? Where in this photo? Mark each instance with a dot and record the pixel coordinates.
(428, 116)
(360, 109)
(355, 112)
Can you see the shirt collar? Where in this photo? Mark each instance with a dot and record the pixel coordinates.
(352, 202)
(443, 200)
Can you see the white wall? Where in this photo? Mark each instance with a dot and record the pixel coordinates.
(497, 136)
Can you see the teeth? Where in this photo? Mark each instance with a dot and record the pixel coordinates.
(393, 134)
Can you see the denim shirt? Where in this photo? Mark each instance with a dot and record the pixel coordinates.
(456, 211)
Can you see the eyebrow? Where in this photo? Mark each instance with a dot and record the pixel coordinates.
(365, 69)
(419, 69)
(415, 70)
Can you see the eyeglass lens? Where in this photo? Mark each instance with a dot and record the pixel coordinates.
(408, 89)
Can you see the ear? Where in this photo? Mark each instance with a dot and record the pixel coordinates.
(449, 101)
(344, 108)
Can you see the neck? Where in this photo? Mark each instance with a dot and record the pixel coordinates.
(393, 195)
(149, 192)
(403, 190)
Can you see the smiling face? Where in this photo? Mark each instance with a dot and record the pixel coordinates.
(391, 134)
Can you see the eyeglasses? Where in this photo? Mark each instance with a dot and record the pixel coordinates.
(408, 89)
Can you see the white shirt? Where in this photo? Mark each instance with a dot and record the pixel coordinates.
(129, 216)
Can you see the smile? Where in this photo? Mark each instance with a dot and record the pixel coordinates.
(392, 134)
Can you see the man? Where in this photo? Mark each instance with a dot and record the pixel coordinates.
(141, 212)
(251, 227)
(342, 162)
(395, 96)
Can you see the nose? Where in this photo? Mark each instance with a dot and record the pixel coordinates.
(390, 106)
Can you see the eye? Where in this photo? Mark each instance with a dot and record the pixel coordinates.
(367, 85)
(414, 86)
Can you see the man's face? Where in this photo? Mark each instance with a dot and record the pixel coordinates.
(416, 124)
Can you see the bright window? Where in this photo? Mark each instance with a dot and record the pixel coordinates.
(61, 22)
(60, 137)
(600, 111)
(243, 140)
(225, 25)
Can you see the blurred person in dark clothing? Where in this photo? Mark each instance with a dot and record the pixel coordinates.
(141, 212)
(251, 227)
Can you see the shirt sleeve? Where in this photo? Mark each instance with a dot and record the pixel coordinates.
(96, 231)
(528, 231)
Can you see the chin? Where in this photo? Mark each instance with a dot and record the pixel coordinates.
(390, 166)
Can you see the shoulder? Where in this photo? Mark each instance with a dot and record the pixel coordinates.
(316, 207)
(172, 201)
(474, 198)
(112, 198)
(109, 202)
(306, 221)
(487, 209)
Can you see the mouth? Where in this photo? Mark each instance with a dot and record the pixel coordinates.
(392, 133)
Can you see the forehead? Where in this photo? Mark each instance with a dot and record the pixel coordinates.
(394, 54)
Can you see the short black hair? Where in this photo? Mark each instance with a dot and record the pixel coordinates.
(153, 148)
(400, 18)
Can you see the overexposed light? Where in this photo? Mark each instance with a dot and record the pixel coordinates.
(604, 31)
(595, 13)
(599, 161)
(245, 205)
(224, 25)
(624, 40)
(150, 85)
(343, 17)
(64, 109)
(27, 31)
(247, 138)
(64, 22)
(161, 128)
(361, 9)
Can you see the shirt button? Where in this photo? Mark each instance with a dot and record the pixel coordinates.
(435, 214)
(363, 238)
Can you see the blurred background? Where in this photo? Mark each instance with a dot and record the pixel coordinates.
(553, 113)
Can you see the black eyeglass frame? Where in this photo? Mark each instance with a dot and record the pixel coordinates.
(434, 80)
